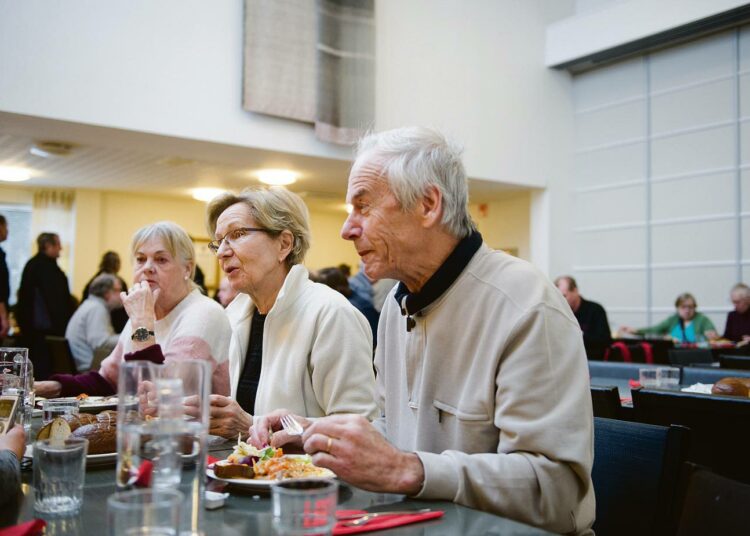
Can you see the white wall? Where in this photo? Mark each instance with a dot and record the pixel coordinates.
(172, 67)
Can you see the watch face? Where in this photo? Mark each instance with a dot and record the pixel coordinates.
(141, 334)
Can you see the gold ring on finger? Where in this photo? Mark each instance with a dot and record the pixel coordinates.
(328, 445)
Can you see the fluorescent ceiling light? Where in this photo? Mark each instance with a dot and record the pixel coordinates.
(277, 177)
(206, 194)
(14, 174)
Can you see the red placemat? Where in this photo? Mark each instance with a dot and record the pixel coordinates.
(381, 523)
(30, 528)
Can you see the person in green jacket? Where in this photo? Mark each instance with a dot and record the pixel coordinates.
(686, 325)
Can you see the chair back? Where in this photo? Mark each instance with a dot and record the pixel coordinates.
(691, 375)
(718, 424)
(606, 401)
(60, 355)
(635, 473)
(734, 362)
(714, 505)
(613, 369)
(685, 356)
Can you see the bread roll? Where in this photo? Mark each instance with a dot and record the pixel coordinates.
(732, 387)
(102, 437)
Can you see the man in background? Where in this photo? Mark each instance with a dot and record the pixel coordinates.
(90, 328)
(738, 321)
(44, 302)
(591, 317)
(4, 281)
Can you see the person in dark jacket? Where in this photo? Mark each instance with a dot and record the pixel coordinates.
(44, 302)
(591, 317)
(4, 281)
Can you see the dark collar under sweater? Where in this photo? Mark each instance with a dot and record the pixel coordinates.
(442, 279)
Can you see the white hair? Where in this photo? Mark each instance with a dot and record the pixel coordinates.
(414, 158)
(742, 289)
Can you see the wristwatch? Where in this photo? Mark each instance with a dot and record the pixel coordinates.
(141, 334)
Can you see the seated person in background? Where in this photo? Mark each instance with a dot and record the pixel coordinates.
(90, 327)
(591, 317)
(334, 278)
(11, 451)
(226, 293)
(312, 349)
(110, 264)
(482, 381)
(371, 291)
(170, 320)
(686, 325)
(738, 321)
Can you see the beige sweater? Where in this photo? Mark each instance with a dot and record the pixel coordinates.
(491, 389)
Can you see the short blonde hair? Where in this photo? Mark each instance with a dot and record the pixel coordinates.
(275, 210)
(175, 239)
(684, 298)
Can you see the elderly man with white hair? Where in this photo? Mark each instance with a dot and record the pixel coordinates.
(738, 321)
(482, 380)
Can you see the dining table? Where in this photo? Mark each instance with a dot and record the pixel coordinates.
(249, 511)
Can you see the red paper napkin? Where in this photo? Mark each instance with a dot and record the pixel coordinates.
(634, 384)
(381, 523)
(210, 460)
(30, 528)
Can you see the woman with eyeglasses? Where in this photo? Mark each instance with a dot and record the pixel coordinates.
(295, 344)
(169, 319)
(687, 325)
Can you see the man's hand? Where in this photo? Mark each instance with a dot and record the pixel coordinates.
(352, 448)
(228, 418)
(261, 437)
(14, 440)
(47, 389)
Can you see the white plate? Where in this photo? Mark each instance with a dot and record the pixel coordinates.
(91, 459)
(258, 483)
(92, 404)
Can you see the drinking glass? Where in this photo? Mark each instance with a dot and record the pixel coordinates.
(648, 377)
(144, 512)
(17, 378)
(59, 469)
(668, 376)
(304, 506)
(58, 407)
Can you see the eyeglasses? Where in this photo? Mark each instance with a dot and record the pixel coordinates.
(233, 236)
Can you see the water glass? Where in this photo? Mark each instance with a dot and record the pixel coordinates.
(668, 376)
(59, 469)
(304, 506)
(17, 378)
(648, 377)
(144, 512)
(58, 407)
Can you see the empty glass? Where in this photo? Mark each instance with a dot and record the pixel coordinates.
(144, 512)
(648, 377)
(59, 469)
(304, 506)
(17, 378)
(668, 376)
(58, 407)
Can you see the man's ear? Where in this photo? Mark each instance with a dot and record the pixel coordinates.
(431, 207)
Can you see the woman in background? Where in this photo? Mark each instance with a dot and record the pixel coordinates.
(685, 326)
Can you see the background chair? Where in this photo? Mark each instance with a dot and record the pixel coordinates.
(60, 356)
(606, 402)
(635, 473)
(691, 375)
(718, 426)
(681, 357)
(714, 505)
(734, 362)
(611, 369)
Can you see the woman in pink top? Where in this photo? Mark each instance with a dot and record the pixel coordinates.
(170, 319)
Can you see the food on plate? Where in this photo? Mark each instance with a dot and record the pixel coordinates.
(82, 396)
(100, 430)
(732, 387)
(266, 464)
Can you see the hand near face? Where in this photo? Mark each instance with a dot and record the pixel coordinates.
(14, 441)
(263, 425)
(352, 448)
(139, 304)
(228, 418)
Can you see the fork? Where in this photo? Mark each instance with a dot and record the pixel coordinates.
(291, 426)
(366, 518)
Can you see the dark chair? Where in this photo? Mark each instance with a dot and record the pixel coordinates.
(60, 355)
(684, 356)
(606, 402)
(734, 362)
(714, 504)
(610, 369)
(718, 425)
(635, 473)
(691, 375)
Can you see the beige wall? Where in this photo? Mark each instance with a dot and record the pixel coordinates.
(506, 223)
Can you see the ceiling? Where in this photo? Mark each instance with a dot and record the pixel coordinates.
(113, 159)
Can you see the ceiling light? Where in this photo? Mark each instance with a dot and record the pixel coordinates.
(206, 194)
(277, 177)
(14, 174)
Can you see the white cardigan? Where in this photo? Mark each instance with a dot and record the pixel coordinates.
(317, 351)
